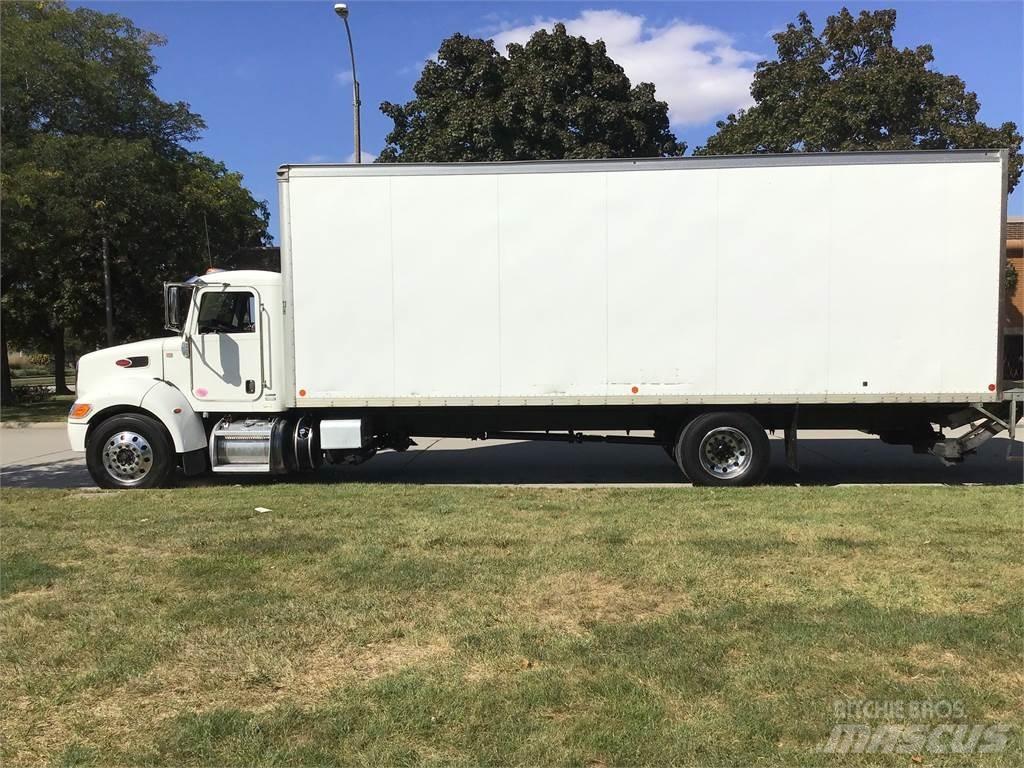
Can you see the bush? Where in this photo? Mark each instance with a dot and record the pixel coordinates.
(27, 395)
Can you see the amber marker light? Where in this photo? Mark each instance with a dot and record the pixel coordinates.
(80, 410)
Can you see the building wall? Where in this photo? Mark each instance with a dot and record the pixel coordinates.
(1014, 318)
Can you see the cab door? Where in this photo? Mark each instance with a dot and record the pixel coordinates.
(226, 345)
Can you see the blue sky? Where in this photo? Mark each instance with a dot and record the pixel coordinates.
(272, 79)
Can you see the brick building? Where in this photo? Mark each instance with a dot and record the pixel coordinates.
(1013, 316)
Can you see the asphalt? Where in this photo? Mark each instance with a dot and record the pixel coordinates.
(39, 457)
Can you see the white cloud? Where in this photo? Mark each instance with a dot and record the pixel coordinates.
(697, 69)
(368, 157)
(344, 77)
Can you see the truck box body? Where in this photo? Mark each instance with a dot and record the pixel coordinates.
(817, 278)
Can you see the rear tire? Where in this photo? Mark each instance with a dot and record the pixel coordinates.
(130, 451)
(723, 449)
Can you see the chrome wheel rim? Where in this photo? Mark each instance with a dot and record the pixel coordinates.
(725, 452)
(128, 457)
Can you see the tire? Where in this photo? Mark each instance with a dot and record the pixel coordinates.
(723, 449)
(130, 451)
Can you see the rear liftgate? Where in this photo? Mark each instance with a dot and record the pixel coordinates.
(987, 420)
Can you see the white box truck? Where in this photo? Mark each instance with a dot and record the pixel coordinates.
(704, 300)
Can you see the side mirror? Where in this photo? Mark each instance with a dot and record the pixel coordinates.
(172, 295)
(177, 301)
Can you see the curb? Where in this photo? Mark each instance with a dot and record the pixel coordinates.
(33, 424)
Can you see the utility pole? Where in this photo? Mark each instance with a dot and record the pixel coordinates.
(342, 10)
(106, 288)
(206, 229)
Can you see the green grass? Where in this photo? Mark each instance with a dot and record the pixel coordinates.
(54, 408)
(384, 625)
(35, 376)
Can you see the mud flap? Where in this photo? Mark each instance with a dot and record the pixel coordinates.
(790, 440)
(194, 462)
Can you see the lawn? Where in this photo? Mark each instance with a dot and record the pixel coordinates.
(382, 625)
(53, 408)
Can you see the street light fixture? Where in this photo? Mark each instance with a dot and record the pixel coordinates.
(342, 10)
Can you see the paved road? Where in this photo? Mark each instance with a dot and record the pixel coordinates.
(39, 457)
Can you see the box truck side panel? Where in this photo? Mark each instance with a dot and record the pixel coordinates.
(913, 253)
(444, 237)
(975, 261)
(554, 284)
(342, 287)
(662, 278)
(772, 309)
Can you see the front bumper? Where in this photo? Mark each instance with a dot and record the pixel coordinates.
(76, 434)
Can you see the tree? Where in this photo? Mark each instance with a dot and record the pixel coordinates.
(556, 97)
(852, 89)
(89, 150)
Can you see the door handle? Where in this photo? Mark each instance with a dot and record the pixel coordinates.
(250, 386)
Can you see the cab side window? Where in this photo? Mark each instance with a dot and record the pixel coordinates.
(227, 312)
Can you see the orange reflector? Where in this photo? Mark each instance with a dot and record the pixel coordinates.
(80, 410)
(991, 387)
(302, 393)
(634, 390)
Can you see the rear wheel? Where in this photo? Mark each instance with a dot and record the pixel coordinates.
(723, 449)
(130, 451)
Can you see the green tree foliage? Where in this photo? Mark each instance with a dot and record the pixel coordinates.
(83, 73)
(851, 89)
(556, 97)
(89, 150)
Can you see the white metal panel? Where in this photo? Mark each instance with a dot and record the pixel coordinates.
(342, 287)
(772, 291)
(339, 434)
(762, 280)
(553, 284)
(972, 277)
(445, 243)
(662, 246)
(896, 268)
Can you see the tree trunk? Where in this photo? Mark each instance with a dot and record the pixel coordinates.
(6, 391)
(60, 386)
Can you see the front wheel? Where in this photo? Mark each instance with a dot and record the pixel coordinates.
(130, 451)
(723, 449)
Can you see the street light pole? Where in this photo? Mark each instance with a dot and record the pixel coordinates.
(342, 10)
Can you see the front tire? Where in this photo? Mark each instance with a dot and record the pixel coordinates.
(130, 451)
(723, 449)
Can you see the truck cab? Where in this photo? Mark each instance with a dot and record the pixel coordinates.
(140, 407)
